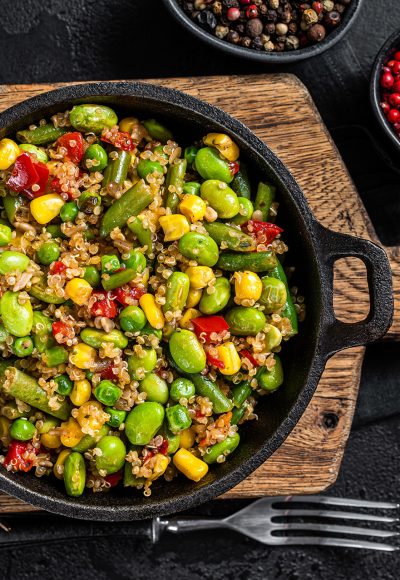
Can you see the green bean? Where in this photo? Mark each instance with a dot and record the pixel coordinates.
(143, 422)
(245, 321)
(178, 418)
(117, 417)
(241, 392)
(11, 205)
(190, 154)
(241, 183)
(117, 169)
(135, 224)
(254, 262)
(205, 387)
(232, 238)
(15, 383)
(92, 118)
(112, 456)
(45, 294)
(132, 202)
(191, 188)
(220, 197)
(271, 380)
(17, 318)
(110, 263)
(264, 198)
(74, 474)
(94, 337)
(213, 303)
(131, 480)
(187, 351)
(199, 247)
(41, 135)
(177, 291)
(223, 448)
(89, 441)
(23, 346)
(289, 310)
(119, 279)
(11, 411)
(54, 356)
(238, 412)
(157, 131)
(175, 180)
(13, 262)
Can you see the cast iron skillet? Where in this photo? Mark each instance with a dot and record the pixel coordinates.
(262, 56)
(313, 249)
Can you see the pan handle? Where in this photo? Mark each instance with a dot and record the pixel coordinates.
(339, 335)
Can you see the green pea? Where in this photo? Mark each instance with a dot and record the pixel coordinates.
(199, 247)
(69, 212)
(55, 231)
(22, 430)
(147, 361)
(42, 331)
(173, 440)
(210, 165)
(155, 387)
(223, 448)
(273, 337)
(92, 118)
(5, 235)
(64, 385)
(23, 346)
(17, 318)
(97, 157)
(146, 167)
(110, 263)
(273, 295)
(40, 154)
(220, 197)
(178, 286)
(135, 260)
(107, 393)
(95, 338)
(178, 418)
(57, 355)
(182, 388)
(157, 131)
(117, 417)
(245, 321)
(246, 210)
(74, 474)
(187, 351)
(190, 154)
(89, 441)
(143, 422)
(191, 188)
(87, 201)
(48, 424)
(13, 262)
(271, 380)
(132, 319)
(213, 303)
(92, 275)
(48, 252)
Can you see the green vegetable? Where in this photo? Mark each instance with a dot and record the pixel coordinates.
(107, 393)
(92, 275)
(117, 417)
(17, 318)
(42, 331)
(289, 310)
(97, 157)
(48, 252)
(245, 321)
(74, 474)
(274, 294)
(155, 387)
(117, 169)
(118, 279)
(191, 188)
(148, 330)
(173, 440)
(273, 337)
(132, 319)
(147, 362)
(271, 380)
(132, 202)
(199, 247)
(135, 260)
(12, 204)
(55, 231)
(110, 263)
(146, 167)
(54, 356)
(143, 422)
(13, 262)
(187, 351)
(92, 118)
(223, 448)
(48, 424)
(190, 154)
(87, 201)
(178, 418)
(22, 430)
(4, 334)
(220, 197)
(40, 154)
(253, 262)
(182, 388)
(135, 224)
(174, 181)
(89, 441)
(232, 238)
(245, 212)
(5, 235)
(41, 135)
(95, 338)
(11, 411)
(213, 303)
(177, 291)
(264, 198)
(241, 183)
(23, 346)
(207, 388)
(45, 294)
(64, 385)
(112, 456)
(211, 165)
(69, 212)
(157, 131)
(241, 392)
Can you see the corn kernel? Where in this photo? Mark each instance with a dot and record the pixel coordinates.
(190, 313)
(187, 438)
(83, 356)
(127, 125)
(78, 290)
(46, 207)
(160, 465)
(200, 276)
(248, 286)
(81, 392)
(224, 144)
(190, 465)
(193, 207)
(58, 468)
(193, 298)
(152, 311)
(50, 441)
(90, 414)
(71, 433)
(228, 354)
(9, 151)
(51, 166)
(175, 226)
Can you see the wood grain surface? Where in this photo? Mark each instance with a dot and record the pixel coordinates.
(279, 109)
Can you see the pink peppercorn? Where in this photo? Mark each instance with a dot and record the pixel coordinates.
(387, 80)
(233, 14)
(251, 11)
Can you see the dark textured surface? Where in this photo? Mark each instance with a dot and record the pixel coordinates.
(89, 39)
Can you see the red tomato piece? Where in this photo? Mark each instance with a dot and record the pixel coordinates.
(125, 295)
(58, 267)
(262, 232)
(73, 143)
(26, 174)
(107, 373)
(120, 140)
(16, 451)
(114, 478)
(104, 305)
(60, 328)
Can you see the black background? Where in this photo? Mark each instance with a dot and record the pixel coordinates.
(67, 40)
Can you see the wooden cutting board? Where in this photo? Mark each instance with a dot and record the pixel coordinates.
(279, 109)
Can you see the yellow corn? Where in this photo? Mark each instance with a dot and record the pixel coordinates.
(160, 465)
(81, 392)
(174, 226)
(190, 465)
(9, 151)
(4, 429)
(193, 298)
(91, 415)
(78, 290)
(228, 354)
(128, 124)
(71, 433)
(46, 207)
(58, 468)
(224, 144)
(50, 441)
(83, 356)
(193, 207)
(187, 439)
(190, 313)
(200, 276)
(52, 165)
(248, 286)
(152, 311)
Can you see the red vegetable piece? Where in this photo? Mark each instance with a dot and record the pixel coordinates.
(262, 232)
(107, 373)
(250, 357)
(212, 360)
(73, 143)
(104, 305)
(233, 167)
(43, 176)
(58, 267)
(204, 326)
(120, 140)
(163, 448)
(16, 451)
(114, 478)
(60, 328)
(125, 296)
(24, 173)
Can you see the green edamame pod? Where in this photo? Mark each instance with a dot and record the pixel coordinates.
(44, 293)
(119, 279)
(13, 262)
(95, 338)
(213, 303)
(245, 321)
(207, 388)
(157, 131)
(89, 441)
(174, 181)
(289, 310)
(199, 247)
(241, 183)
(11, 205)
(271, 380)
(135, 224)
(264, 198)
(177, 291)
(187, 351)
(220, 197)
(117, 169)
(224, 448)
(232, 238)
(74, 474)
(92, 118)
(246, 211)
(143, 422)
(41, 135)
(132, 202)
(254, 262)
(17, 317)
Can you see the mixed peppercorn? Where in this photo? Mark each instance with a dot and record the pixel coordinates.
(390, 91)
(270, 25)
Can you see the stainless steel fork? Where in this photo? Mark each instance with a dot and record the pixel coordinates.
(259, 521)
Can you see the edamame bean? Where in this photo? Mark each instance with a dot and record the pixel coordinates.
(22, 430)
(271, 380)
(147, 361)
(245, 321)
(220, 197)
(107, 393)
(5, 235)
(182, 388)
(48, 252)
(177, 291)
(17, 317)
(143, 422)
(222, 449)
(274, 295)
(146, 167)
(246, 210)
(135, 260)
(213, 303)
(95, 338)
(92, 275)
(69, 212)
(187, 351)
(190, 154)
(92, 118)
(54, 356)
(42, 331)
(13, 262)
(23, 346)
(157, 131)
(155, 387)
(178, 418)
(95, 158)
(40, 154)
(132, 319)
(191, 188)
(273, 337)
(117, 417)
(74, 474)
(112, 456)
(199, 247)
(210, 165)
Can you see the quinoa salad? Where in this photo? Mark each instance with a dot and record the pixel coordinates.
(143, 301)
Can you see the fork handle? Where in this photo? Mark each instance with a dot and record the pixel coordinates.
(179, 525)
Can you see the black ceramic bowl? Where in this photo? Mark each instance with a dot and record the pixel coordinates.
(263, 56)
(313, 250)
(391, 45)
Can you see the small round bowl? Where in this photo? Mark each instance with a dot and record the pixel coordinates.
(266, 57)
(390, 46)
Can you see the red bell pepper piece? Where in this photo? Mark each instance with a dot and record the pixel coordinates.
(163, 448)
(250, 357)
(27, 173)
(125, 295)
(73, 143)
(16, 451)
(212, 360)
(120, 140)
(104, 305)
(58, 267)
(60, 327)
(262, 232)
(107, 373)
(114, 478)
(234, 167)
(204, 326)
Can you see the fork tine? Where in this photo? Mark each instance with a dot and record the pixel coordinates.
(337, 530)
(336, 542)
(333, 514)
(324, 499)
